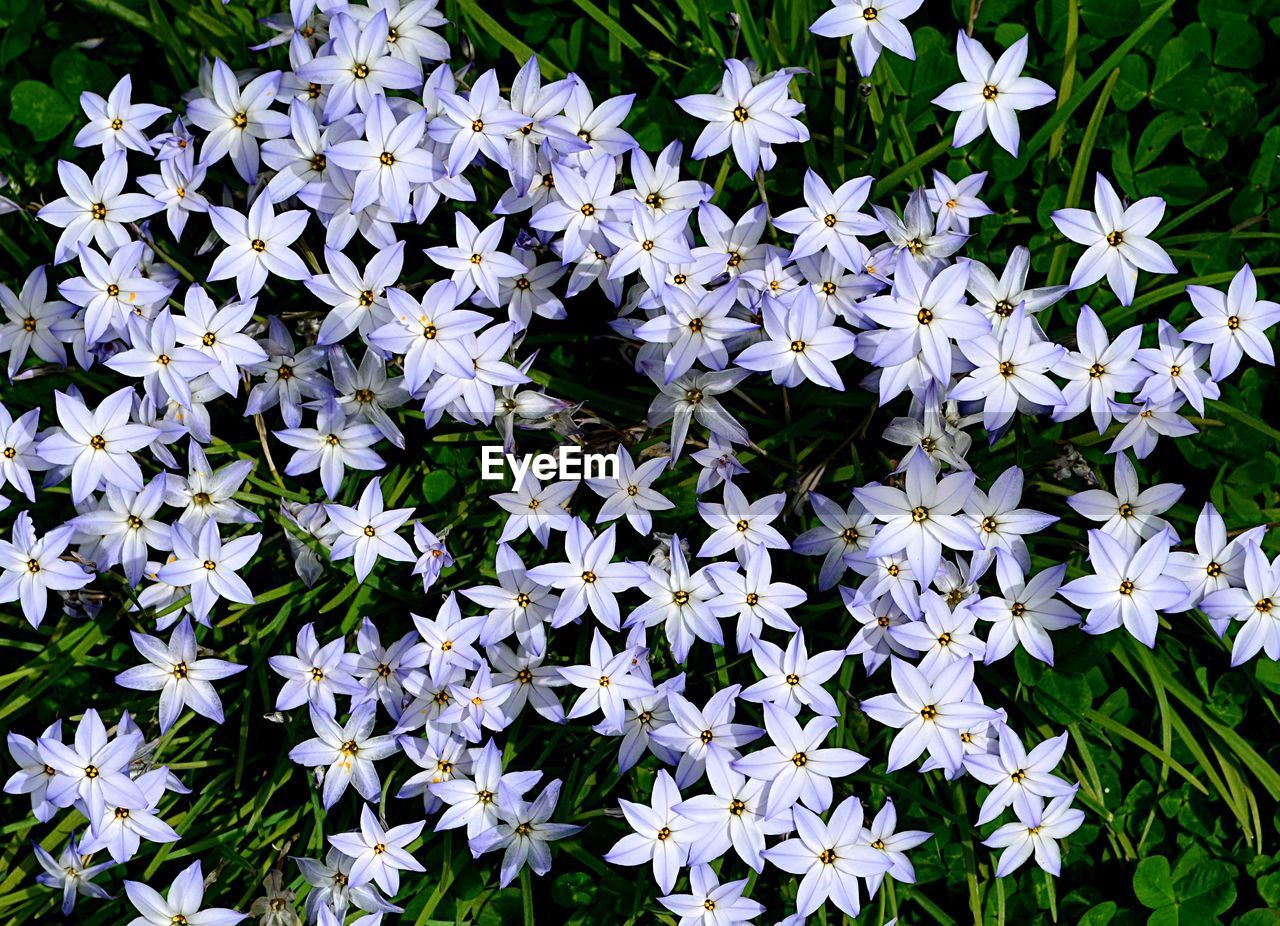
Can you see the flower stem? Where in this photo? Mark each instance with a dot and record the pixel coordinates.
(526, 893)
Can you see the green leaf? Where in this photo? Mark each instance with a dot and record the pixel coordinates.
(1205, 142)
(437, 485)
(1181, 78)
(1161, 130)
(1109, 19)
(1100, 915)
(43, 110)
(1134, 83)
(1153, 882)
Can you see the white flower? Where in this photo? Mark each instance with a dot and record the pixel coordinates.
(97, 445)
(478, 123)
(166, 369)
(70, 874)
(871, 25)
(257, 245)
(388, 162)
(95, 209)
(1234, 324)
(794, 679)
(346, 751)
(1025, 612)
(749, 117)
(956, 202)
(181, 678)
(831, 221)
(379, 853)
(236, 118)
(647, 242)
(358, 65)
(588, 577)
(921, 518)
(831, 856)
(992, 93)
(1129, 515)
(929, 713)
(796, 764)
(1017, 778)
(181, 905)
(695, 735)
(732, 816)
(694, 396)
(631, 495)
(801, 344)
(712, 903)
(924, 315)
(537, 509)
(1254, 605)
(477, 261)
(1217, 563)
(1098, 370)
(523, 830)
(662, 836)
(754, 597)
(367, 532)
(207, 566)
(111, 292)
(678, 599)
(92, 769)
(316, 674)
(1038, 832)
(944, 635)
(1129, 585)
(335, 443)
(606, 682)
(34, 323)
(1009, 372)
(1117, 240)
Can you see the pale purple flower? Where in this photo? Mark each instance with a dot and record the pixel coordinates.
(1234, 323)
(801, 344)
(712, 903)
(236, 118)
(831, 221)
(929, 713)
(588, 578)
(523, 830)
(796, 764)
(116, 122)
(1128, 587)
(258, 245)
(359, 65)
(992, 93)
(1117, 240)
(367, 532)
(1036, 833)
(749, 117)
(922, 517)
(346, 752)
(794, 679)
(379, 852)
(174, 670)
(97, 445)
(1025, 611)
(95, 210)
(208, 568)
(871, 25)
(831, 856)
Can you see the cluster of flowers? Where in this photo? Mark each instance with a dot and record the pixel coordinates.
(962, 341)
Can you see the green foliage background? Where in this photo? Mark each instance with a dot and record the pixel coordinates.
(1177, 755)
